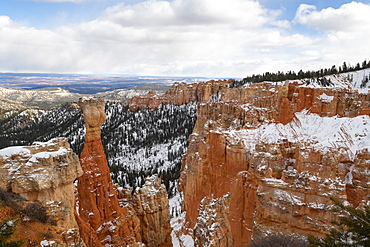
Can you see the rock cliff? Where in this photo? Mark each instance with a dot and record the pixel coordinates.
(37, 181)
(180, 93)
(280, 150)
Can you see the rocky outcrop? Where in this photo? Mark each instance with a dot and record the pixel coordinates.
(179, 94)
(280, 150)
(151, 205)
(43, 174)
(213, 227)
(101, 219)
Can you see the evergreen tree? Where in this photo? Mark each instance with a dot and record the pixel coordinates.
(352, 229)
(6, 231)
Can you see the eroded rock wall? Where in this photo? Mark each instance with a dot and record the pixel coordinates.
(280, 151)
(179, 94)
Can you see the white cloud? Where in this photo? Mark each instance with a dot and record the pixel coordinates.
(239, 13)
(187, 37)
(345, 31)
(349, 17)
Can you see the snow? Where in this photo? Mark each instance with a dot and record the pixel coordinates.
(187, 240)
(326, 98)
(17, 150)
(311, 131)
(46, 243)
(285, 196)
(275, 182)
(47, 155)
(349, 176)
(178, 222)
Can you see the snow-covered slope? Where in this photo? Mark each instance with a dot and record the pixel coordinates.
(311, 131)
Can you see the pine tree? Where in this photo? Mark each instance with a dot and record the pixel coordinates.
(352, 229)
(6, 231)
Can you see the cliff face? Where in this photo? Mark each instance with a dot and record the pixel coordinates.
(150, 203)
(100, 215)
(280, 151)
(44, 172)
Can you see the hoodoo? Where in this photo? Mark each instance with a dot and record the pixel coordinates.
(100, 215)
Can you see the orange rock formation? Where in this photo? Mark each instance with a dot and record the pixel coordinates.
(100, 215)
(151, 206)
(282, 185)
(213, 227)
(179, 94)
(43, 174)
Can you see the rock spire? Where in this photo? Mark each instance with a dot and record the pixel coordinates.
(99, 211)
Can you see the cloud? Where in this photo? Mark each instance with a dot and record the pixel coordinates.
(213, 38)
(344, 31)
(353, 16)
(239, 13)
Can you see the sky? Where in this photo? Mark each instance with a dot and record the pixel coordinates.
(200, 38)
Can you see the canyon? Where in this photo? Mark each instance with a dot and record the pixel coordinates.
(261, 158)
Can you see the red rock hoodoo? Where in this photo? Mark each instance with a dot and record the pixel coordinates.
(101, 219)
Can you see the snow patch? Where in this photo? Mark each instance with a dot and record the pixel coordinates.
(326, 98)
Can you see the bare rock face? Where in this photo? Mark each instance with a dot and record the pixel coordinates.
(280, 151)
(44, 172)
(151, 206)
(100, 215)
(213, 227)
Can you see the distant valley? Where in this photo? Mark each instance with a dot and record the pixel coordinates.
(85, 84)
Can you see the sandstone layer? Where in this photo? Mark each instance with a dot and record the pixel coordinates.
(43, 174)
(102, 221)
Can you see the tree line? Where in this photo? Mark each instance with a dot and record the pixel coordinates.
(291, 75)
